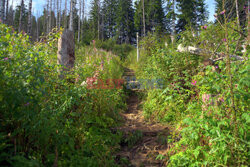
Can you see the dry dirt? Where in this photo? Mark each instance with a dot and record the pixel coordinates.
(143, 141)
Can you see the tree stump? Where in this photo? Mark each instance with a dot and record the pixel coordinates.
(66, 52)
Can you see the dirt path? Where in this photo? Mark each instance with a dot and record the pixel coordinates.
(143, 141)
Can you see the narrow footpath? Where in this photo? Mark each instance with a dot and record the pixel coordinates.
(143, 141)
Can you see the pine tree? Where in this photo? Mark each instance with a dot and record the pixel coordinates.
(125, 21)
(201, 12)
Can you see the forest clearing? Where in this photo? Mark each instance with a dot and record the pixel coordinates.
(124, 83)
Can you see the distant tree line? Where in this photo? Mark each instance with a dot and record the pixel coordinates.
(116, 19)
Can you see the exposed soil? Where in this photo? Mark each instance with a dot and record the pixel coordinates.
(143, 141)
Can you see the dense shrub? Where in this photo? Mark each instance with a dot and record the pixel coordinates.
(207, 103)
(110, 45)
(46, 120)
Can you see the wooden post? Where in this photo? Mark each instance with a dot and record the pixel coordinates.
(138, 52)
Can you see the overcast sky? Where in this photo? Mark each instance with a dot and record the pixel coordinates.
(38, 6)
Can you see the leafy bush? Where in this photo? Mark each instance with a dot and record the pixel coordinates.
(46, 120)
(208, 103)
(110, 45)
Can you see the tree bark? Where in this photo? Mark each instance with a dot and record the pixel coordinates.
(50, 15)
(47, 16)
(29, 18)
(37, 28)
(79, 21)
(66, 51)
(205, 53)
(7, 11)
(71, 15)
(20, 17)
(98, 21)
(173, 24)
(65, 15)
(237, 14)
(144, 23)
(138, 51)
(56, 12)
(59, 14)
(83, 15)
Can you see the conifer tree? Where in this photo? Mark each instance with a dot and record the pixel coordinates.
(109, 11)
(95, 18)
(125, 21)
(154, 16)
(192, 13)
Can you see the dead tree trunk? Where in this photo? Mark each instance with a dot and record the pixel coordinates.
(71, 15)
(20, 17)
(65, 15)
(83, 9)
(237, 13)
(173, 24)
(66, 52)
(29, 18)
(7, 12)
(50, 15)
(79, 21)
(47, 16)
(59, 14)
(205, 53)
(37, 28)
(144, 22)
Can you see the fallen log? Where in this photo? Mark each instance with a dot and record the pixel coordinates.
(208, 54)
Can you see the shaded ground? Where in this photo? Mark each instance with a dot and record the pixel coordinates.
(143, 141)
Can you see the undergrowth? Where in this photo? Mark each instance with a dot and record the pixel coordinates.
(206, 101)
(46, 120)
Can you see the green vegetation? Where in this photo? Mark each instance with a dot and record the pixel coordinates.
(46, 120)
(50, 120)
(207, 103)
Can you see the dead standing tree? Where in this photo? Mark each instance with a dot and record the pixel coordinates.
(66, 46)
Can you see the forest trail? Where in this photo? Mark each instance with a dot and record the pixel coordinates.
(142, 141)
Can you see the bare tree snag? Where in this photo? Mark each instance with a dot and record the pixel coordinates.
(205, 53)
(30, 18)
(66, 51)
(71, 15)
(143, 13)
(20, 17)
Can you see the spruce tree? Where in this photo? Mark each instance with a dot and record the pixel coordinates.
(192, 13)
(125, 21)
(95, 18)
(109, 12)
